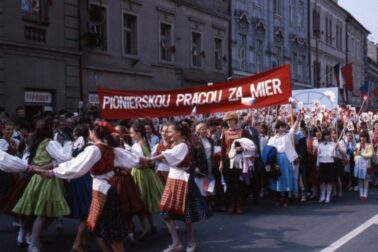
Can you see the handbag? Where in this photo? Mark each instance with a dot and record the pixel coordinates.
(274, 171)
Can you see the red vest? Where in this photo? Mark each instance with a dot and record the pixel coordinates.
(106, 163)
(188, 158)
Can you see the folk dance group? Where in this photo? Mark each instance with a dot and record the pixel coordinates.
(108, 184)
(104, 178)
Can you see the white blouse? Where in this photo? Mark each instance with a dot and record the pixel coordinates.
(284, 144)
(176, 155)
(59, 153)
(12, 164)
(84, 162)
(326, 153)
(161, 165)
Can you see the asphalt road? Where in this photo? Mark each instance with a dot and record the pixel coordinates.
(301, 227)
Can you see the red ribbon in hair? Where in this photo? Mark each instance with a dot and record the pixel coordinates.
(104, 124)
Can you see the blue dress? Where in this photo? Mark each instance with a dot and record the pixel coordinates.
(285, 182)
(79, 193)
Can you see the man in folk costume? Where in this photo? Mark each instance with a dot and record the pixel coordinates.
(105, 216)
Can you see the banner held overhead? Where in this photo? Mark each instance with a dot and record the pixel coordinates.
(269, 88)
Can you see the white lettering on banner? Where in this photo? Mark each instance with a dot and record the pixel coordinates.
(266, 88)
(199, 98)
(261, 89)
(136, 102)
(236, 94)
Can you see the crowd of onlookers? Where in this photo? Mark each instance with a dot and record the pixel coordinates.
(234, 157)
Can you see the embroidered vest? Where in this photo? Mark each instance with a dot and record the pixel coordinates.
(188, 158)
(161, 147)
(12, 149)
(106, 163)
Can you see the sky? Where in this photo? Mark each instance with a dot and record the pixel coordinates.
(366, 12)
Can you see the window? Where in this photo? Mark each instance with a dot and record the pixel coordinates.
(218, 54)
(316, 22)
(330, 31)
(304, 69)
(197, 49)
(276, 7)
(300, 68)
(326, 26)
(292, 13)
(259, 56)
(166, 42)
(279, 55)
(101, 31)
(130, 34)
(35, 10)
(242, 51)
(294, 65)
(301, 14)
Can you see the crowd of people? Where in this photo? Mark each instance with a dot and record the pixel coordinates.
(108, 175)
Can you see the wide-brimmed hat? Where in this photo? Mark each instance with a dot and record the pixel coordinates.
(231, 115)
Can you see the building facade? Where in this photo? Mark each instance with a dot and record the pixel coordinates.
(267, 34)
(39, 55)
(328, 45)
(54, 54)
(372, 72)
(182, 43)
(356, 54)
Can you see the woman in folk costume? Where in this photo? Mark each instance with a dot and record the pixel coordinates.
(326, 166)
(149, 184)
(340, 159)
(127, 190)
(181, 199)
(363, 169)
(286, 157)
(203, 163)
(100, 159)
(234, 190)
(162, 168)
(43, 199)
(79, 190)
(12, 186)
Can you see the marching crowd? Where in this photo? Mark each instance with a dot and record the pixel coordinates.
(108, 175)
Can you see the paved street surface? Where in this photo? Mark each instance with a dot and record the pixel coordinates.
(300, 227)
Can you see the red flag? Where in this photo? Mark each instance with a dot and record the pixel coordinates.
(348, 76)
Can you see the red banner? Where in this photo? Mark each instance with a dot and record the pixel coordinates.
(269, 88)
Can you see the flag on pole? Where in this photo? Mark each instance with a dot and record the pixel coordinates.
(365, 90)
(347, 73)
(340, 81)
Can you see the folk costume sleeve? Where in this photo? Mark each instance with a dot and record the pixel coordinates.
(176, 155)
(80, 165)
(125, 158)
(12, 164)
(59, 153)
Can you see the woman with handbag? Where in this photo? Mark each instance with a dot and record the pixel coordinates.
(363, 169)
(286, 158)
(181, 199)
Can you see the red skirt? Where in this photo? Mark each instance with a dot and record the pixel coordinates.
(128, 194)
(18, 188)
(163, 176)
